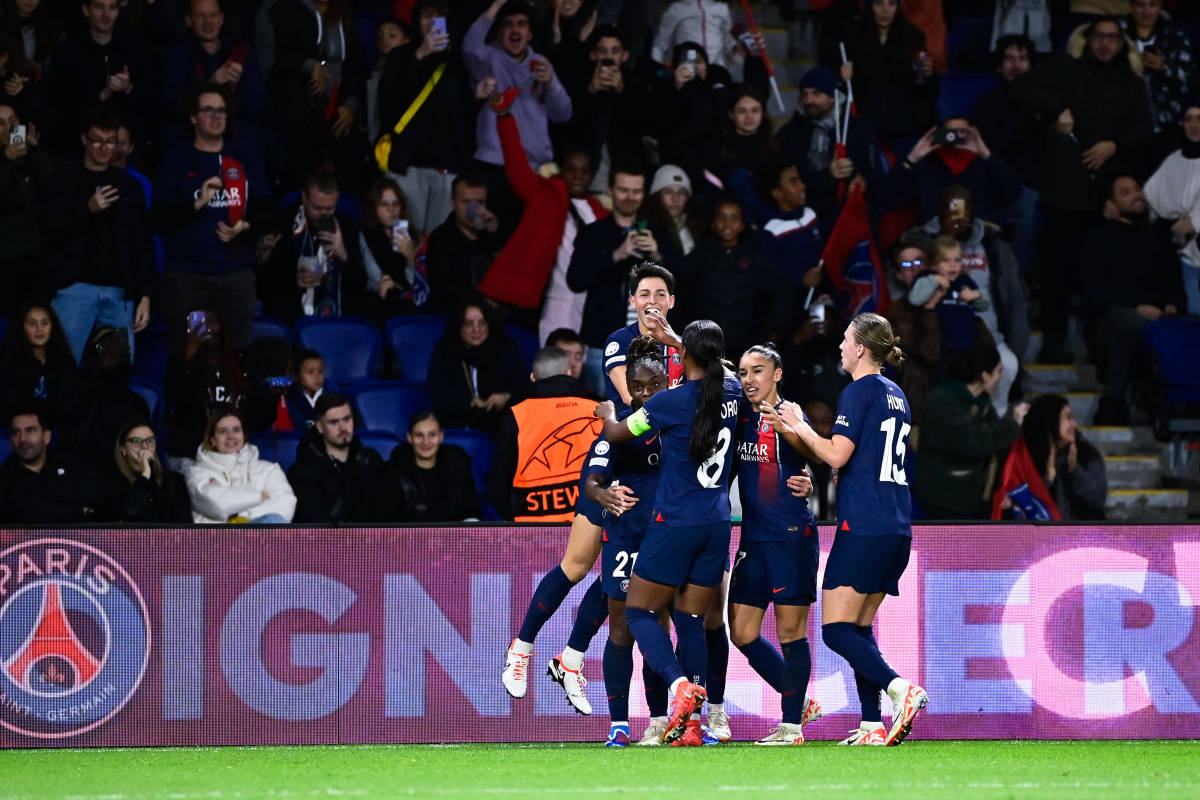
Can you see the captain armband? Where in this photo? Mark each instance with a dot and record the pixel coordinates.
(639, 422)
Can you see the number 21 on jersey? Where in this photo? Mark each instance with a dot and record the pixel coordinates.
(893, 447)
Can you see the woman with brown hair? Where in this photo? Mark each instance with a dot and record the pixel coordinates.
(141, 489)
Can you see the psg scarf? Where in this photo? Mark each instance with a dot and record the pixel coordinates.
(1023, 484)
(955, 158)
(233, 176)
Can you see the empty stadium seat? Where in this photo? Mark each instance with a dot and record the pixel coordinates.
(411, 341)
(960, 90)
(385, 406)
(277, 446)
(5, 444)
(380, 442)
(350, 346)
(479, 447)
(1175, 343)
(264, 327)
(527, 342)
(151, 394)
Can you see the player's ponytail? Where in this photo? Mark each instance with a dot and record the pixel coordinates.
(875, 334)
(704, 344)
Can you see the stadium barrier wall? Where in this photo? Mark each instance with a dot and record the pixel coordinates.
(291, 635)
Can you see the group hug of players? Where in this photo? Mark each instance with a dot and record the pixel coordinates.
(654, 501)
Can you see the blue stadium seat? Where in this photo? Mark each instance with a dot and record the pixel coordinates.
(385, 406)
(527, 342)
(1175, 343)
(264, 327)
(150, 354)
(411, 340)
(960, 90)
(5, 444)
(381, 443)
(153, 397)
(277, 446)
(350, 346)
(968, 44)
(479, 447)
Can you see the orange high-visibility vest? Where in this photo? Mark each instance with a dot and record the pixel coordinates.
(554, 435)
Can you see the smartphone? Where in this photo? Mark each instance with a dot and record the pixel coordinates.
(17, 135)
(326, 224)
(197, 324)
(950, 137)
(640, 226)
(438, 28)
(400, 226)
(475, 215)
(690, 57)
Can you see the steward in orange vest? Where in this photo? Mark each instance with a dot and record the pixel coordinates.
(541, 445)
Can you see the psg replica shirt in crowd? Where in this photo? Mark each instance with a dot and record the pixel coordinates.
(634, 464)
(616, 349)
(770, 512)
(690, 493)
(873, 493)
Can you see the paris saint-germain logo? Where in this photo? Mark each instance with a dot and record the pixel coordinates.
(74, 638)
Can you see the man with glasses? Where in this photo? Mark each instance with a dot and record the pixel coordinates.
(210, 196)
(94, 223)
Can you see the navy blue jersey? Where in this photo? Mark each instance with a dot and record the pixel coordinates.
(634, 464)
(690, 493)
(873, 486)
(616, 351)
(770, 512)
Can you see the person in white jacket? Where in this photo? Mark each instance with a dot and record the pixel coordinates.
(705, 21)
(1173, 193)
(229, 483)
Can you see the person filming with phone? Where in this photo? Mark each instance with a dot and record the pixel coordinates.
(463, 247)
(25, 171)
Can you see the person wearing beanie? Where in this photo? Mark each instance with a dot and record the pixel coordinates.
(670, 205)
(809, 138)
(1173, 193)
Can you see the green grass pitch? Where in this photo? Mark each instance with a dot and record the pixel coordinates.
(924, 769)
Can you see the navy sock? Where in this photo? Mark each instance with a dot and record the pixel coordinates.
(868, 693)
(656, 691)
(718, 662)
(693, 648)
(766, 661)
(654, 643)
(618, 672)
(593, 610)
(861, 654)
(797, 669)
(548, 596)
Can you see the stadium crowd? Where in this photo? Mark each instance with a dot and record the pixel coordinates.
(194, 194)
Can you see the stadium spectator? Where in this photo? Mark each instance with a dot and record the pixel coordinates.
(670, 206)
(512, 63)
(308, 385)
(990, 262)
(94, 221)
(1070, 469)
(475, 369)
(461, 249)
(20, 78)
(433, 479)
(106, 403)
(211, 198)
(228, 482)
(735, 285)
(122, 154)
(316, 265)
(569, 342)
(430, 150)
(316, 88)
(789, 233)
(25, 176)
(689, 21)
(36, 361)
(959, 301)
(605, 252)
(1015, 135)
(1117, 302)
(954, 154)
(44, 485)
(528, 482)
(1173, 194)
(390, 35)
(809, 138)
(210, 54)
(138, 488)
(393, 254)
(888, 61)
(1168, 67)
(101, 64)
(1094, 110)
(34, 25)
(964, 439)
(746, 139)
(336, 478)
(685, 108)
(918, 327)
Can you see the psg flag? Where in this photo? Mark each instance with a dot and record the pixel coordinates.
(1023, 484)
(852, 262)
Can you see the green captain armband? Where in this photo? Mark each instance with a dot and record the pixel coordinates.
(638, 422)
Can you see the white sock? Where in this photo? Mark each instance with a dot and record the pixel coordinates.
(870, 726)
(658, 719)
(524, 648)
(675, 685)
(715, 707)
(619, 724)
(897, 688)
(571, 659)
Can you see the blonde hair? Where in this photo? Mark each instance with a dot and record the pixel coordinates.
(940, 246)
(875, 334)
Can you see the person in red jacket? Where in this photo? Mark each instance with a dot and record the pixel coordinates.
(534, 262)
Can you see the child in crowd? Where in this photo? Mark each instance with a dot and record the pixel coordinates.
(302, 395)
(949, 289)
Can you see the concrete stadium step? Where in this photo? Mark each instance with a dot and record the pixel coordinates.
(1060, 378)
(776, 40)
(1032, 348)
(1147, 505)
(1122, 441)
(1133, 472)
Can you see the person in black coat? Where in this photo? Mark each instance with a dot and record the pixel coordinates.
(475, 369)
(40, 485)
(36, 362)
(140, 488)
(336, 478)
(685, 108)
(430, 480)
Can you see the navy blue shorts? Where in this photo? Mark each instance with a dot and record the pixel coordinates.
(675, 556)
(868, 564)
(617, 561)
(590, 509)
(783, 573)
